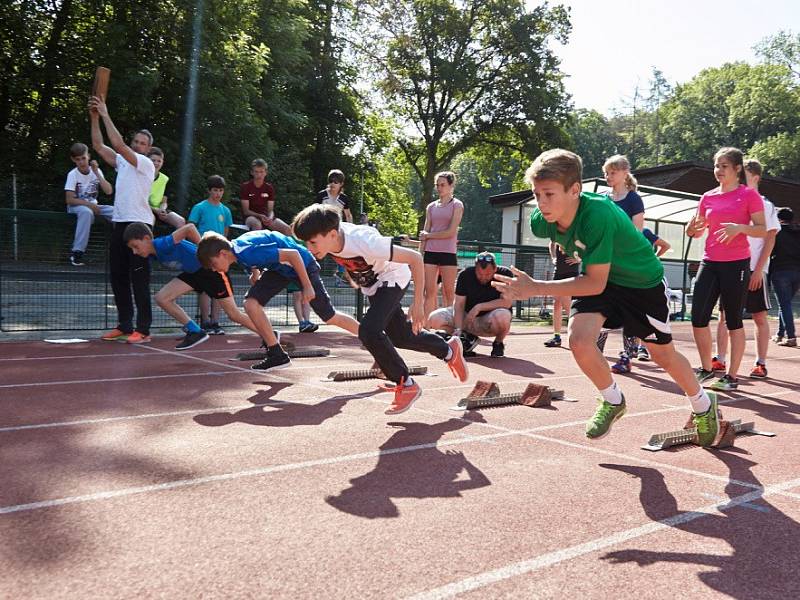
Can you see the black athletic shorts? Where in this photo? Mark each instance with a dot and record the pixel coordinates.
(641, 312)
(215, 284)
(443, 259)
(758, 300)
(271, 283)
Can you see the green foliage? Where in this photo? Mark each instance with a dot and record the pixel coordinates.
(780, 153)
(461, 74)
(273, 83)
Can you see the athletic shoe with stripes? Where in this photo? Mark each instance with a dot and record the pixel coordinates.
(604, 417)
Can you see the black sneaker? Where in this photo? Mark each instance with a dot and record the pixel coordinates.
(215, 329)
(192, 339)
(469, 353)
(469, 341)
(76, 259)
(273, 362)
(308, 327)
(498, 349)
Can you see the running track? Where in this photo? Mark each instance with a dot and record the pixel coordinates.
(133, 472)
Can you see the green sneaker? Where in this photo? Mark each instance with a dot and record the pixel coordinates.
(703, 375)
(605, 415)
(726, 383)
(707, 423)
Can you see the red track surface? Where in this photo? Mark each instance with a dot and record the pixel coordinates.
(144, 472)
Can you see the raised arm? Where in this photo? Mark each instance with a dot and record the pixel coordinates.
(106, 153)
(117, 143)
(186, 232)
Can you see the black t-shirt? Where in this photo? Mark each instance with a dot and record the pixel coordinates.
(342, 201)
(786, 254)
(475, 292)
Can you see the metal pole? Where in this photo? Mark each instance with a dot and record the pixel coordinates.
(14, 221)
(191, 109)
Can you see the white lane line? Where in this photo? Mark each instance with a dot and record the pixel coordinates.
(181, 483)
(552, 558)
(116, 379)
(175, 413)
(758, 507)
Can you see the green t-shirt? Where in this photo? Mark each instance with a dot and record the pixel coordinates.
(602, 233)
(157, 190)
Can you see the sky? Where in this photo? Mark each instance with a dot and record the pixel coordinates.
(615, 45)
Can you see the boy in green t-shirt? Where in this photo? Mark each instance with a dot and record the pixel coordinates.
(158, 200)
(621, 286)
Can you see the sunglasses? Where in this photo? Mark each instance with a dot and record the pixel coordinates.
(485, 260)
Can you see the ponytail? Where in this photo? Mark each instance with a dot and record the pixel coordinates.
(630, 182)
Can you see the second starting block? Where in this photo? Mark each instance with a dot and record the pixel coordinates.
(292, 350)
(728, 430)
(486, 394)
(354, 374)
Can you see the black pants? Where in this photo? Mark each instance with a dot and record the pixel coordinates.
(129, 270)
(385, 328)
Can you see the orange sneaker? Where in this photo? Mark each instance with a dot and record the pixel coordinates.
(115, 335)
(456, 363)
(759, 370)
(717, 364)
(138, 338)
(404, 397)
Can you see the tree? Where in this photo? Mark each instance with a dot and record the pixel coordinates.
(594, 138)
(783, 48)
(464, 73)
(780, 154)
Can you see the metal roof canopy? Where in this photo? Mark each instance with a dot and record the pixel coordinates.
(660, 205)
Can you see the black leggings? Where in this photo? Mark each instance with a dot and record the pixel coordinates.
(385, 328)
(725, 280)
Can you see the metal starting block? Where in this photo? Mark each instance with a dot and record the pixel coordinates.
(486, 394)
(728, 430)
(355, 374)
(292, 350)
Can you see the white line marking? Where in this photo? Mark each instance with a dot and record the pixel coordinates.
(137, 378)
(196, 411)
(552, 558)
(181, 483)
(758, 507)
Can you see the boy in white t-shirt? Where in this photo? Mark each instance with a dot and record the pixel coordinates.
(383, 272)
(81, 189)
(757, 301)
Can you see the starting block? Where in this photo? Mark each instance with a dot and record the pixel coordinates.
(486, 394)
(728, 430)
(292, 350)
(355, 374)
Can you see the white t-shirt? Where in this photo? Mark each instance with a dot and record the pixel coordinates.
(367, 256)
(85, 186)
(131, 203)
(757, 243)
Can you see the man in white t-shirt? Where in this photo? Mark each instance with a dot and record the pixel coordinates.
(135, 174)
(383, 272)
(757, 302)
(81, 189)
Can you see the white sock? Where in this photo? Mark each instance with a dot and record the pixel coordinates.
(449, 354)
(408, 382)
(612, 394)
(761, 361)
(700, 402)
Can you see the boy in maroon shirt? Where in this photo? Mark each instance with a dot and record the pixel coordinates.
(258, 201)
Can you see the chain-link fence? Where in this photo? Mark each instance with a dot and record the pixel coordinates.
(41, 291)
